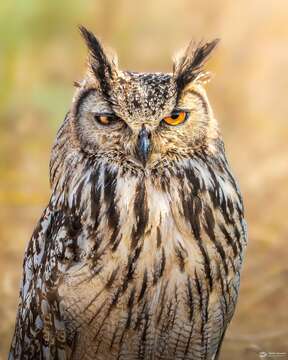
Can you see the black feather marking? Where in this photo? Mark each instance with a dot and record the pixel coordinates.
(114, 337)
(116, 297)
(144, 285)
(209, 217)
(189, 341)
(158, 237)
(224, 289)
(95, 196)
(115, 239)
(130, 307)
(112, 305)
(110, 185)
(141, 212)
(159, 267)
(203, 307)
(145, 328)
(110, 182)
(76, 205)
(181, 254)
(192, 208)
(199, 291)
(190, 298)
(111, 278)
(175, 308)
(166, 324)
(93, 299)
(193, 179)
(237, 237)
(230, 206)
(229, 239)
(162, 301)
(131, 267)
(97, 312)
(195, 216)
(109, 309)
(140, 316)
(163, 263)
(209, 229)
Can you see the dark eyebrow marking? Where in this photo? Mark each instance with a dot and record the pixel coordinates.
(83, 96)
(200, 97)
(178, 109)
(104, 113)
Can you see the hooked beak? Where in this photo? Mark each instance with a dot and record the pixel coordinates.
(144, 145)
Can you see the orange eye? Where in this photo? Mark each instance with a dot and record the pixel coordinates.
(176, 118)
(105, 119)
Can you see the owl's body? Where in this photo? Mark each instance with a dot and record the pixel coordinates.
(138, 254)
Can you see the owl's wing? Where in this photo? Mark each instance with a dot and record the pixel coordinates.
(224, 239)
(39, 331)
(232, 236)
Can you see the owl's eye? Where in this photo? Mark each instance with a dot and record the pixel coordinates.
(176, 118)
(105, 120)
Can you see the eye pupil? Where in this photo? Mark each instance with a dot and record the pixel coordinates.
(174, 116)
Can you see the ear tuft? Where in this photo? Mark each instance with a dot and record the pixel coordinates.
(100, 64)
(189, 65)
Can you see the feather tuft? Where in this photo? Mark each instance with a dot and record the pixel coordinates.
(100, 64)
(189, 65)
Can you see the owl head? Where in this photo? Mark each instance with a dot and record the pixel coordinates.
(143, 120)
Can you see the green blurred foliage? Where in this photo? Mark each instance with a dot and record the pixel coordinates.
(41, 54)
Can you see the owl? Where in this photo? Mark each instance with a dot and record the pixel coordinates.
(139, 251)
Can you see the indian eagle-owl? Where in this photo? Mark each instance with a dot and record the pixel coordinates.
(139, 251)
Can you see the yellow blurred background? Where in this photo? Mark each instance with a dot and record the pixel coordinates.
(41, 54)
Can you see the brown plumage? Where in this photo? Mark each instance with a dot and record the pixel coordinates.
(139, 251)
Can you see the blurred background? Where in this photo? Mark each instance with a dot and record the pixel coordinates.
(41, 54)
